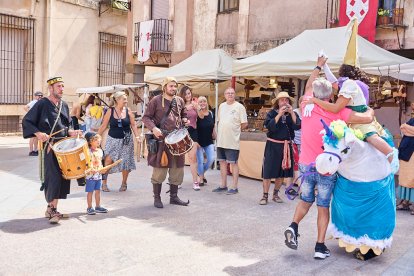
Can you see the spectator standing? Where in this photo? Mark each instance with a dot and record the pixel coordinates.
(405, 191)
(119, 143)
(278, 161)
(191, 108)
(33, 141)
(232, 119)
(206, 134)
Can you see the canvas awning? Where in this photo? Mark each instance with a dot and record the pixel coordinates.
(206, 65)
(403, 72)
(108, 89)
(297, 57)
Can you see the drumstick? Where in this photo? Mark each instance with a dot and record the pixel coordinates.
(54, 133)
(106, 167)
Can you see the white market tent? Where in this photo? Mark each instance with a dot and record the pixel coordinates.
(297, 57)
(202, 66)
(403, 72)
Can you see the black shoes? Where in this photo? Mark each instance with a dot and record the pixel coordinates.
(321, 252)
(34, 153)
(291, 238)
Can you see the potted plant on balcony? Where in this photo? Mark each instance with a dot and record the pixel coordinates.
(383, 17)
(334, 22)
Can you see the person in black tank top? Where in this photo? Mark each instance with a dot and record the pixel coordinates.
(119, 143)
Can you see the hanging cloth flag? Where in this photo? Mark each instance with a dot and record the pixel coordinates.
(145, 34)
(366, 13)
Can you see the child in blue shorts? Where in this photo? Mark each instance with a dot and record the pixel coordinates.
(93, 175)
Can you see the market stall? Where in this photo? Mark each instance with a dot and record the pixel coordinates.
(293, 61)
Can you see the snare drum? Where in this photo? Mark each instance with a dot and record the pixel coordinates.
(73, 157)
(179, 142)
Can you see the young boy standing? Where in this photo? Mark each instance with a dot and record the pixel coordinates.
(93, 176)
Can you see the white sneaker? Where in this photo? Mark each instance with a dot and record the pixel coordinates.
(196, 187)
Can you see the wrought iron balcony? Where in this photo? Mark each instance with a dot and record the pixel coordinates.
(160, 36)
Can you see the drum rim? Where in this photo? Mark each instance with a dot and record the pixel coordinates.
(71, 150)
(174, 132)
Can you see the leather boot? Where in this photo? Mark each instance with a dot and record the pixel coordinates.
(157, 198)
(174, 199)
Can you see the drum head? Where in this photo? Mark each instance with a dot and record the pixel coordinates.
(176, 136)
(69, 144)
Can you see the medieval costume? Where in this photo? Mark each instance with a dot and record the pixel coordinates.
(167, 116)
(278, 155)
(41, 118)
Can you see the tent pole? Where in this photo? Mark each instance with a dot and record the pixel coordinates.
(215, 124)
(146, 87)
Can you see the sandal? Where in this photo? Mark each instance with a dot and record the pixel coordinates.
(404, 205)
(264, 199)
(105, 188)
(123, 187)
(276, 198)
(412, 212)
(48, 213)
(54, 216)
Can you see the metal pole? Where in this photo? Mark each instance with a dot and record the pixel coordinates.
(146, 87)
(215, 125)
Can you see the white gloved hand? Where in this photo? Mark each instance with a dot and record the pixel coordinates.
(307, 111)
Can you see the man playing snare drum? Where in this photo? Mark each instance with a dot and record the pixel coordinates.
(50, 115)
(161, 120)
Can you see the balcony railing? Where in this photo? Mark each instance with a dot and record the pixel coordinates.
(160, 37)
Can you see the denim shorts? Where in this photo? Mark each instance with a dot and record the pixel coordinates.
(92, 185)
(315, 181)
(228, 155)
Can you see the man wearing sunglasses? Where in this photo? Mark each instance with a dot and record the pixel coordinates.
(33, 141)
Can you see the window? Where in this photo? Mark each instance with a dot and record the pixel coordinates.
(159, 9)
(112, 56)
(10, 124)
(228, 5)
(16, 59)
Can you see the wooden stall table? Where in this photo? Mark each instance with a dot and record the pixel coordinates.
(252, 145)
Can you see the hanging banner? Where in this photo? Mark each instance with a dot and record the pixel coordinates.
(145, 33)
(365, 11)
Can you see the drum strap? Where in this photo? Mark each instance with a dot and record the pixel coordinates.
(167, 113)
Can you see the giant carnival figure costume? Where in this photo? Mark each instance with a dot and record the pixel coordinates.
(363, 205)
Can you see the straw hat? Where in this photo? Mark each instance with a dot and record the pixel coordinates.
(167, 80)
(282, 94)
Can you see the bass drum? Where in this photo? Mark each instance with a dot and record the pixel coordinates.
(73, 157)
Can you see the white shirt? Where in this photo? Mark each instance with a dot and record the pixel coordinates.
(230, 117)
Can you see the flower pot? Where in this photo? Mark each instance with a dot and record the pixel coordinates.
(334, 24)
(398, 16)
(383, 20)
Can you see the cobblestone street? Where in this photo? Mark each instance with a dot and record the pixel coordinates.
(216, 234)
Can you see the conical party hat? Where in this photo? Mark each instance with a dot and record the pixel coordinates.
(351, 55)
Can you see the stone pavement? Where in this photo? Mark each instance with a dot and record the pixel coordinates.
(216, 234)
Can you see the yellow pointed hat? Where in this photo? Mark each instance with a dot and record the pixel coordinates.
(351, 55)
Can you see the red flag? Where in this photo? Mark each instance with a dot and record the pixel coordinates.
(365, 11)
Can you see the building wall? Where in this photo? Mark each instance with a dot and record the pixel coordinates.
(260, 25)
(66, 41)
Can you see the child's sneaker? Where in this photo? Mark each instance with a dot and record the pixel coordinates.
(100, 209)
(90, 211)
